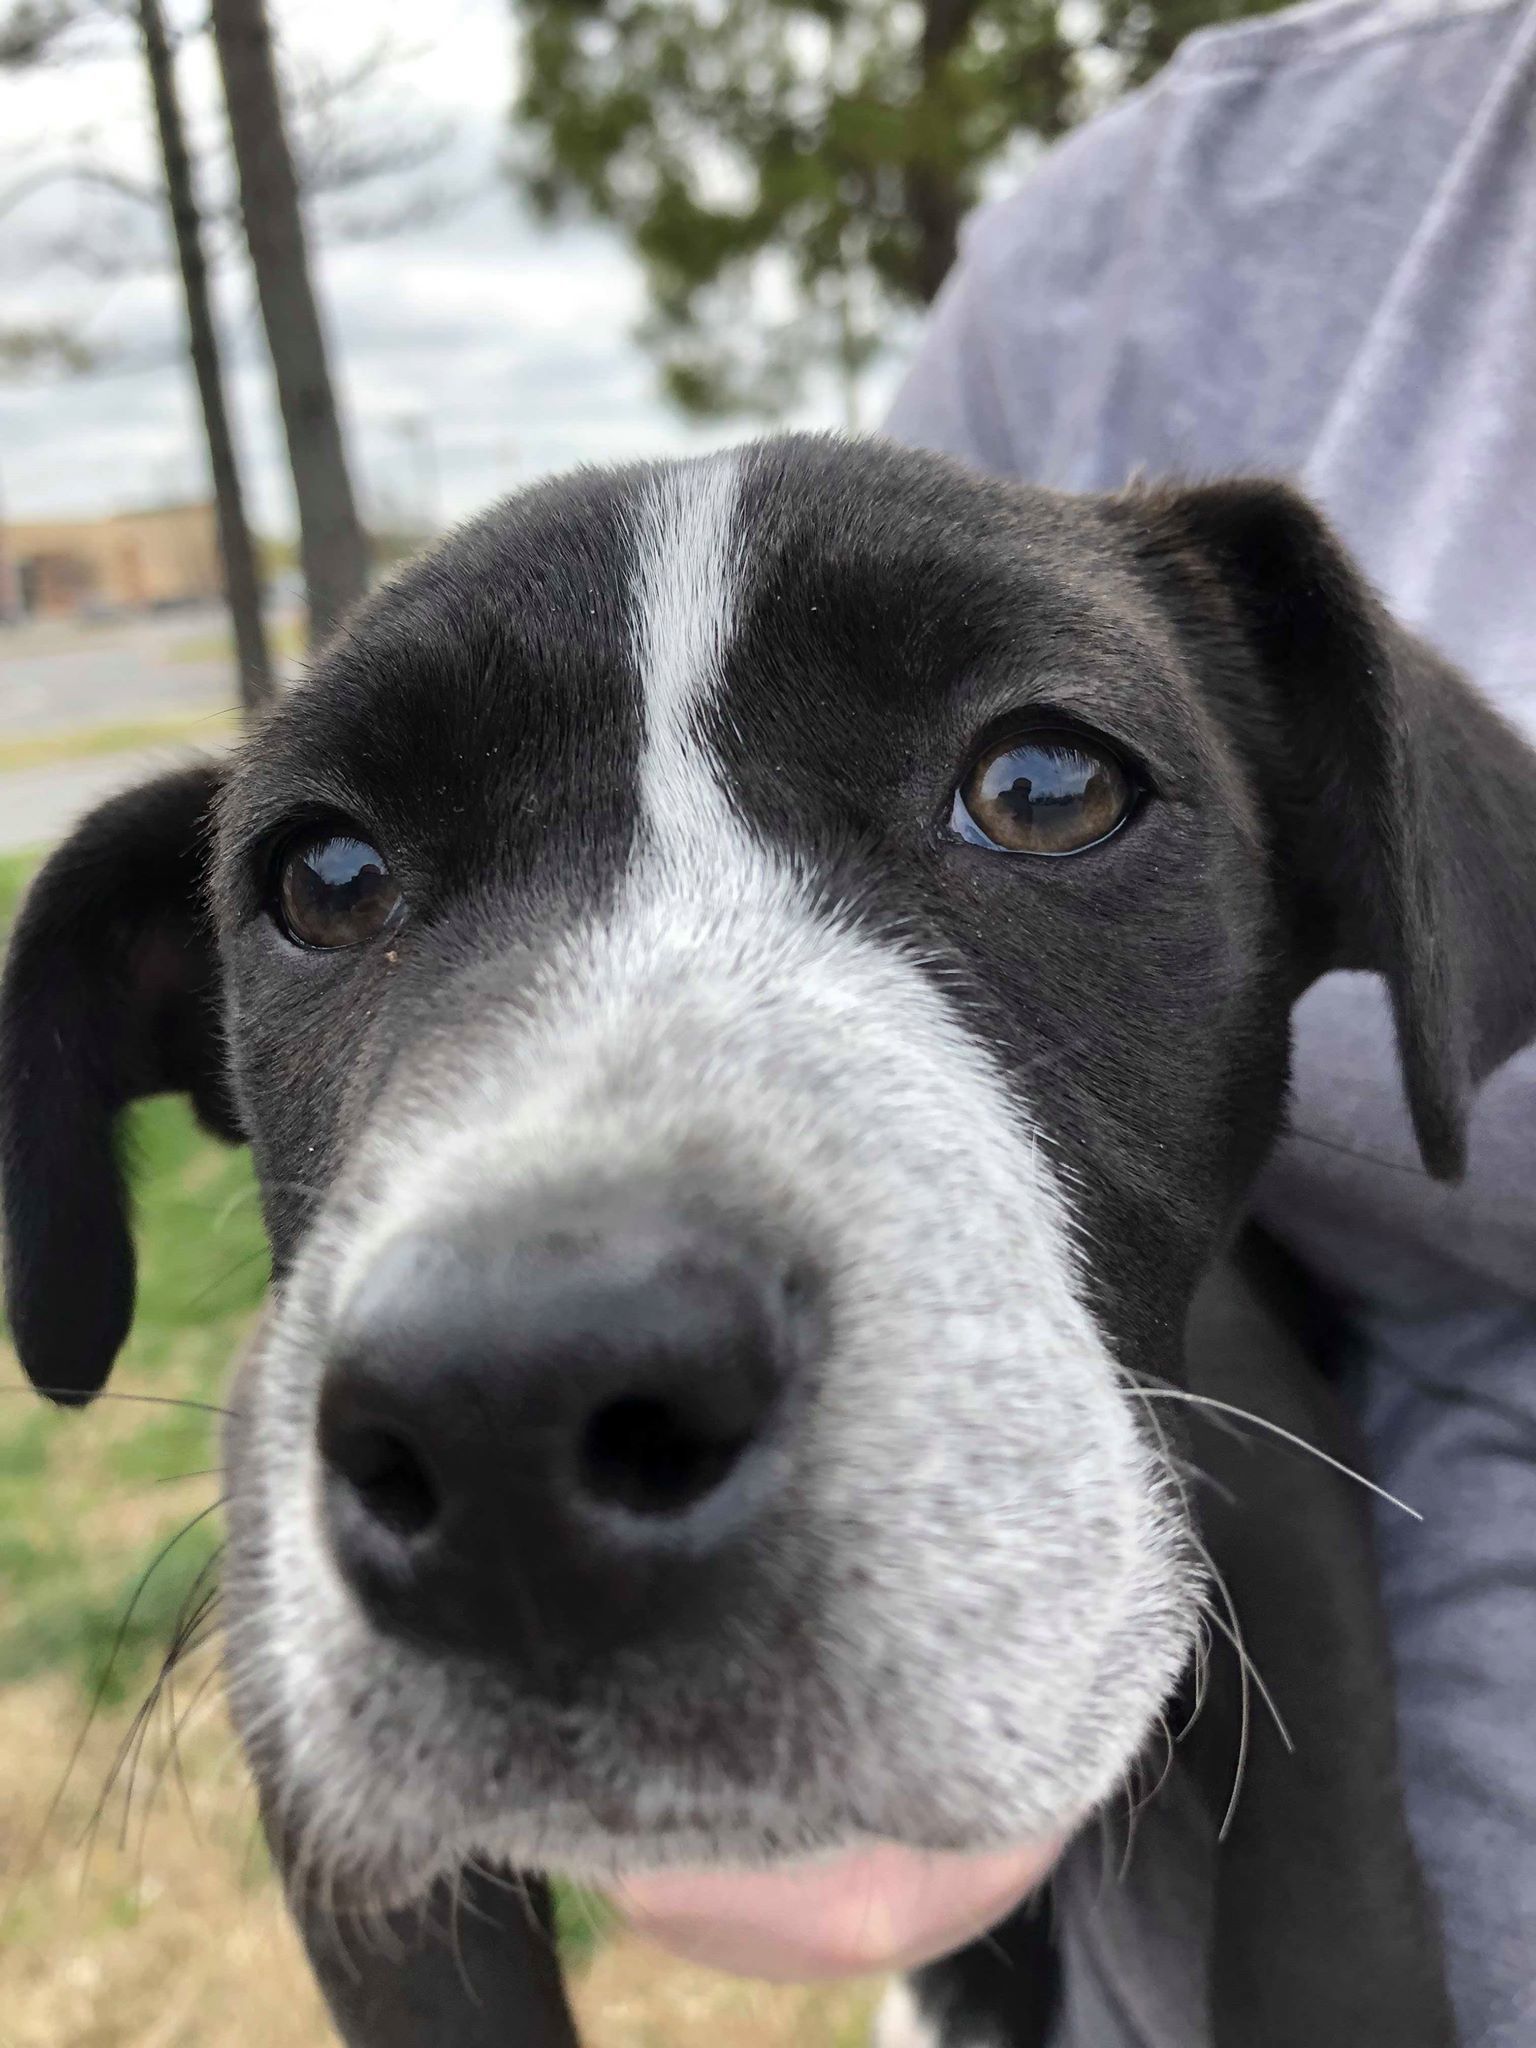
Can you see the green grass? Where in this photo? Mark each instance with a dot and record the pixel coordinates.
(89, 1500)
(47, 749)
(14, 871)
(583, 1919)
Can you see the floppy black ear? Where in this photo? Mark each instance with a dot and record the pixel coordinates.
(1401, 809)
(110, 992)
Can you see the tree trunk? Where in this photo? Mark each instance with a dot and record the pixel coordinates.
(935, 203)
(242, 583)
(333, 548)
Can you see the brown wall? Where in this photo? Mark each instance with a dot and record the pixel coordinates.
(134, 559)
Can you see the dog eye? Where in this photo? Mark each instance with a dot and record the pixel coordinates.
(1043, 793)
(334, 890)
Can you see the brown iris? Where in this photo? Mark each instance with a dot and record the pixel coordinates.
(1044, 793)
(336, 890)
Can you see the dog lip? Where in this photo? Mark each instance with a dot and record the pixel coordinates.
(878, 1908)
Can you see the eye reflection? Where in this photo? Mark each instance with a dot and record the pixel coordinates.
(336, 890)
(1043, 793)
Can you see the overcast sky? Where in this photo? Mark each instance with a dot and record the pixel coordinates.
(510, 342)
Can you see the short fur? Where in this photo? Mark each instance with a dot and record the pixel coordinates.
(664, 759)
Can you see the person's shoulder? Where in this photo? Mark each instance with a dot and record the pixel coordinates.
(1078, 183)
(1318, 31)
(1208, 89)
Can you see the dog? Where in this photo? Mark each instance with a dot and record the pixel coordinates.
(757, 989)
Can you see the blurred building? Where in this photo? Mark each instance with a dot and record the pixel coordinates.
(132, 561)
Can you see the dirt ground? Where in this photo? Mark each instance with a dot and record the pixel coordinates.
(159, 1927)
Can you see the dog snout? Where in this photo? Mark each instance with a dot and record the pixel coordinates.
(561, 1439)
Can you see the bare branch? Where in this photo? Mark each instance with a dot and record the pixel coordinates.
(418, 208)
(352, 125)
(101, 176)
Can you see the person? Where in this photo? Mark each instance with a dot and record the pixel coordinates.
(1309, 248)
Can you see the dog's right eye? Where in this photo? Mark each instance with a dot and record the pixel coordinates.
(335, 890)
(1044, 793)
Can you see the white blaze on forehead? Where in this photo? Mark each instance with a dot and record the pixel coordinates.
(685, 590)
(1002, 1623)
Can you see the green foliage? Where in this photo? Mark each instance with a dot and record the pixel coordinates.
(30, 30)
(792, 173)
(49, 347)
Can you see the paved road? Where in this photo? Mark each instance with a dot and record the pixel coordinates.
(55, 678)
(38, 805)
(66, 678)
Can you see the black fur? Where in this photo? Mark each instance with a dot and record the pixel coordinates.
(110, 992)
(1326, 793)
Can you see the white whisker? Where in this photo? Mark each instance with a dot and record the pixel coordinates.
(1275, 1429)
(1235, 1637)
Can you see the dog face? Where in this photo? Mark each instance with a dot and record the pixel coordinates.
(755, 988)
(692, 930)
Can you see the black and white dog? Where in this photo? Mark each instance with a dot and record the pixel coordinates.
(757, 988)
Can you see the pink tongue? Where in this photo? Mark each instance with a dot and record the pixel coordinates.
(875, 1909)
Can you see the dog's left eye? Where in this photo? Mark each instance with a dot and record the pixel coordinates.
(334, 890)
(1043, 793)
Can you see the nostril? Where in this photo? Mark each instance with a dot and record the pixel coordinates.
(387, 1477)
(645, 1455)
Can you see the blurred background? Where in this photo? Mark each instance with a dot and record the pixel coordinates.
(284, 290)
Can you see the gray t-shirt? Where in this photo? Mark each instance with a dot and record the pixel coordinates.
(1309, 247)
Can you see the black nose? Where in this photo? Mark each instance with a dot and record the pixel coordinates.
(545, 1441)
